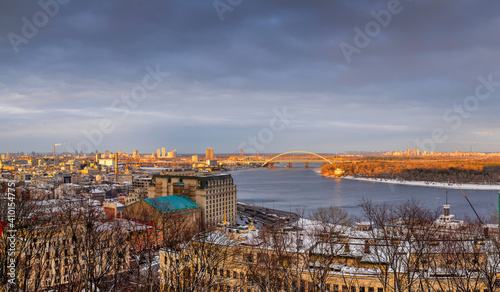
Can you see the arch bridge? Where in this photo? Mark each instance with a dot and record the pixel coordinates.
(323, 159)
(267, 160)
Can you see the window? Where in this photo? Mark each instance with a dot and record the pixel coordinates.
(336, 288)
(353, 288)
(380, 289)
(361, 289)
(344, 288)
(370, 289)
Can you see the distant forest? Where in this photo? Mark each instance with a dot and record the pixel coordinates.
(465, 170)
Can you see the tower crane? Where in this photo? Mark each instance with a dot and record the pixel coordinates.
(485, 229)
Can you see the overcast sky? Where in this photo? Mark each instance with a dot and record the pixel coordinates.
(266, 76)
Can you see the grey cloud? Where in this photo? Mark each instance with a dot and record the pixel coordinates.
(227, 76)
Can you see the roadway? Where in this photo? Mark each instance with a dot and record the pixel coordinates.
(264, 216)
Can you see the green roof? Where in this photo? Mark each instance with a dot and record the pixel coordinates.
(171, 203)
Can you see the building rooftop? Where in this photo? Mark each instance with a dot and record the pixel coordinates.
(203, 178)
(171, 203)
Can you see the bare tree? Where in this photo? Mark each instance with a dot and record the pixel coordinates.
(468, 259)
(27, 250)
(401, 235)
(328, 243)
(167, 229)
(64, 245)
(274, 259)
(204, 263)
(491, 264)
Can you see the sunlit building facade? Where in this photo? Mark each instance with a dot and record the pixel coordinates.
(215, 193)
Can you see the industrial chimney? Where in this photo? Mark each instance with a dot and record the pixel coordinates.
(116, 167)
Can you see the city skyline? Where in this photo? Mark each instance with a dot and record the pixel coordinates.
(257, 76)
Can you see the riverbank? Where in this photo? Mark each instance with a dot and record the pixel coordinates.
(427, 184)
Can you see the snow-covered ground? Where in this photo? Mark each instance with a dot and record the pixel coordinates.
(155, 262)
(427, 184)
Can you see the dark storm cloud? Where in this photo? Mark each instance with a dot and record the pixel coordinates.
(226, 77)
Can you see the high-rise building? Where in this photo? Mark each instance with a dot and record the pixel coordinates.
(106, 154)
(209, 154)
(195, 158)
(172, 154)
(163, 152)
(215, 193)
(119, 152)
(158, 153)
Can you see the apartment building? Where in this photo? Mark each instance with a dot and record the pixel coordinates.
(347, 262)
(62, 255)
(214, 192)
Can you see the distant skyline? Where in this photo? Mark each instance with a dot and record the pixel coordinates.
(266, 76)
